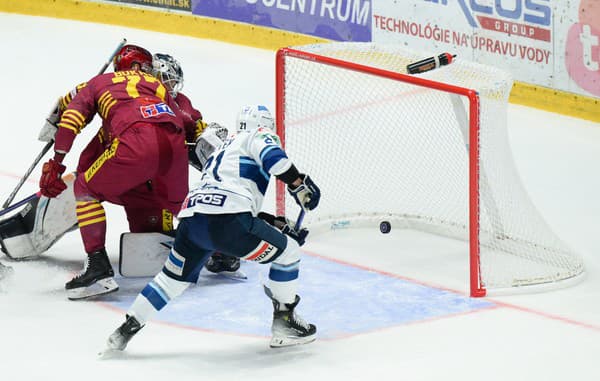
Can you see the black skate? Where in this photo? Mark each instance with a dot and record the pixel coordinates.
(288, 328)
(122, 335)
(226, 265)
(97, 279)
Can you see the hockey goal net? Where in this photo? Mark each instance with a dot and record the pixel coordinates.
(428, 152)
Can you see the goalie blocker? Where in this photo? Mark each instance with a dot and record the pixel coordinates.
(39, 224)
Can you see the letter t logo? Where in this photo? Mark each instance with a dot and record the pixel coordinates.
(588, 41)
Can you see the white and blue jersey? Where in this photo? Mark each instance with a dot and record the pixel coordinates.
(237, 174)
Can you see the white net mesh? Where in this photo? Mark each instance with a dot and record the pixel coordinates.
(383, 149)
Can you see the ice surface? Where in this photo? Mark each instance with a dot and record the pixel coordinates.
(389, 307)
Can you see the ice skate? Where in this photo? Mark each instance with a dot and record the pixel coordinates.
(288, 327)
(97, 278)
(225, 265)
(119, 339)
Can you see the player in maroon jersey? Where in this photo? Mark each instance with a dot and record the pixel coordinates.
(138, 159)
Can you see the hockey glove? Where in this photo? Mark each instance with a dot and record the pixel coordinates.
(200, 127)
(212, 138)
(51, 183)
(298, 236)
(285, 225)
(307, 194)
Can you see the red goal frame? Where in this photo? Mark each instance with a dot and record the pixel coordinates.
(476, 287)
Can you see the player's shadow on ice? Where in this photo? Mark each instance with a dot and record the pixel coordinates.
(256, 355)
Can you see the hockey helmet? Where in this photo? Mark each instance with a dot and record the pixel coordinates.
(253, 117)
(168, 70)
(131, 55)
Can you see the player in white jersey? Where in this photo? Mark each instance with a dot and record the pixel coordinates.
(222, 214)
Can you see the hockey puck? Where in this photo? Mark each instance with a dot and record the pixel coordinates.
(385, 227)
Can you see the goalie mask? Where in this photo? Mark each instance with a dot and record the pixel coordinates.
(168, 70)
(131, 55)
(253, 117)
(212, 138)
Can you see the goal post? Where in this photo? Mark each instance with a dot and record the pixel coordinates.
(427, 152)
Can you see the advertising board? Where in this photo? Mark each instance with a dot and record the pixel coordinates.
(548, 43)
(340, 20)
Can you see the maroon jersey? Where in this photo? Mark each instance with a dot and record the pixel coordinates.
(189, 112)
(186, 107)
(121, 99)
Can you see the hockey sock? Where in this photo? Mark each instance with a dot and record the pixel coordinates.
(92, 224)
(283, 275)
(155, 296)
(283, 282)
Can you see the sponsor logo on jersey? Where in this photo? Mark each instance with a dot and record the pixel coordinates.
(262, 253)
(167, 220)
(154, 110)
(106, 155)
(213, 199)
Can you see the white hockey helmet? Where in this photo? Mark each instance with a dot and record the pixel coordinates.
(168, 70)
(253, 117)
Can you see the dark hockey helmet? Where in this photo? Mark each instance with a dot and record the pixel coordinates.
(131, 55)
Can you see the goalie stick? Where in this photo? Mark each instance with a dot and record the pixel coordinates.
(20, 203)
(49, 145)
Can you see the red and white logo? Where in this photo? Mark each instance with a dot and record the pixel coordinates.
(262, 253)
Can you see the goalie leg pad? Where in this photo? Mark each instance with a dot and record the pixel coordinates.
(144, 254)
(39, 224)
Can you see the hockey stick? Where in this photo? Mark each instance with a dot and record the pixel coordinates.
(20, 203)
(27, 173)
(49, 145)
(299, 219)
(114, 53)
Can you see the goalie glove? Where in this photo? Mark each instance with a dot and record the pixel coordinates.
(50, 127)
(307, 194)
(212, 138)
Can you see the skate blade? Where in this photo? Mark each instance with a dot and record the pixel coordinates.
(281, 342)
(233, 275)
(109, 353)
(113, 347)
(101, 287)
